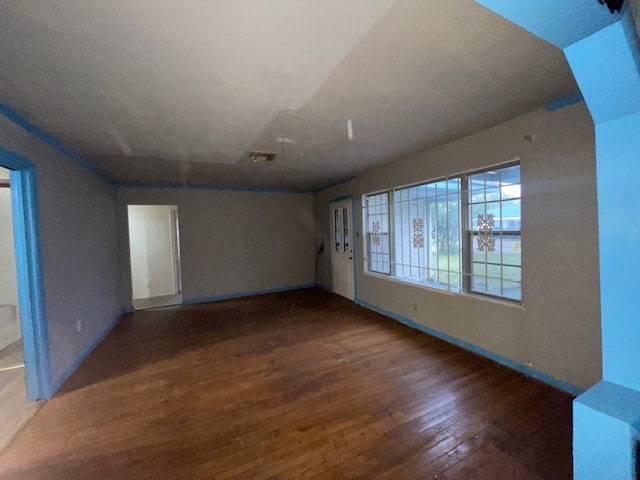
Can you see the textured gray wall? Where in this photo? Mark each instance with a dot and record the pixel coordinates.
(231, 242)
(79, 241)
(557, 329)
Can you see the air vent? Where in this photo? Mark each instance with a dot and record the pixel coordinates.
(261, 157)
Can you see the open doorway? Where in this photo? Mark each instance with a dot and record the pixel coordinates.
(154, 246)
(15, 408)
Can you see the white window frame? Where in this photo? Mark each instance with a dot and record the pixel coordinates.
(466, 238)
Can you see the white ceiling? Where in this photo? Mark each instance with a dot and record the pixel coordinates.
(159, 91)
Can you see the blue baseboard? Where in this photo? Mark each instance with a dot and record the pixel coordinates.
(326, 289)
(217, 298)
(57, 383)
(507, 362)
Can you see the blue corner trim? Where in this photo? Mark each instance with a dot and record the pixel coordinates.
(323, 287)
(507, 362)
(217, 298)
(178, 186)
(47, 138)
(335, 184)
(57, 383)
(564, 102)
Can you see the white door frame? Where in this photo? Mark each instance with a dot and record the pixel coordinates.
(348, 201)
(175, 244)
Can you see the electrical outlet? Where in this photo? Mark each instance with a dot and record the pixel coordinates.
(79, 325)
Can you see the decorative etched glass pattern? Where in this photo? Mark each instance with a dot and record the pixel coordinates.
(375, 233)
(418, 233)
(485, 224)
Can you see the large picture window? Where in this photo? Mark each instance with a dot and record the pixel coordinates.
(427, 233)
(460, 234)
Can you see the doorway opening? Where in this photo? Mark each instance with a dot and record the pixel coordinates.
(15, 407)
(154, 246)
(342, 258)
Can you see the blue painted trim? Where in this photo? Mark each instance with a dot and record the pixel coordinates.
(220, 189)
(564, 102)
(217, 298)
(57, 383)
(507, 362)
(24, 205)
(353, 239)
(47, 138)
(322, 287)
(335, 184)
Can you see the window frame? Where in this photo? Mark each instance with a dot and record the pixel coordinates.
(367, 236)
(466, 237)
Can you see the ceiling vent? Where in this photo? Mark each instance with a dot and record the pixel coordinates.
(261, 157)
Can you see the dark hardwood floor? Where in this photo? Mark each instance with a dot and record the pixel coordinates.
(294, 385)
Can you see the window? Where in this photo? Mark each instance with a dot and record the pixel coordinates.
(378, 243)
(336, 229)
(494, 226)
(458, 234)
(345, 228)
(427, 233)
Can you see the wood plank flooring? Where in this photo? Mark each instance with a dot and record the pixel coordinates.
(294, 385)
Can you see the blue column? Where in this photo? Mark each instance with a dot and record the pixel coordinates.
(602, 50)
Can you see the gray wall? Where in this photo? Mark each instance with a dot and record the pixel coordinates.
(557, 329)
(231, 242)
(79, 242)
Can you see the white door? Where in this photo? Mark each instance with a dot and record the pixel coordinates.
(342, 262)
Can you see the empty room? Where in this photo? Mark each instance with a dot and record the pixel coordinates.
(277, 239)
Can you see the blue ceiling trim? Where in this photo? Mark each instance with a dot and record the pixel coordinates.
(564, 102)
(561, 23)
(220, 189)
(335, 184)
(47, 138)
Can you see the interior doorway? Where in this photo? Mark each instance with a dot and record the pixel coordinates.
(15, 408)
(154, 246)
(342, 258)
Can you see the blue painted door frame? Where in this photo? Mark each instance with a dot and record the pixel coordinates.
(33, 323)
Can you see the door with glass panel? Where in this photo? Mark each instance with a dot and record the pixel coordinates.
(342, 263)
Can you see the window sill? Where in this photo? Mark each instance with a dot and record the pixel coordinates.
(508, 303)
